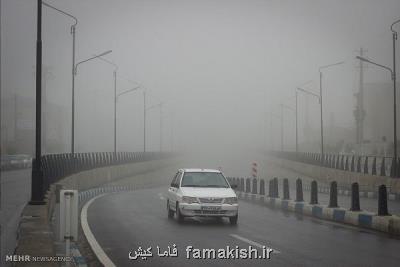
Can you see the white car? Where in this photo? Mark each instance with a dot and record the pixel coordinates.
(201, 192)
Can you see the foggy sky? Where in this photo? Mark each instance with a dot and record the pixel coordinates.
(218, 66)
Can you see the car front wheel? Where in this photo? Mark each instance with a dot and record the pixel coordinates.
(179, 216)
(170, 212)
(233, 220)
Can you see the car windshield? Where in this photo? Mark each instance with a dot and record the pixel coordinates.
(204, 179)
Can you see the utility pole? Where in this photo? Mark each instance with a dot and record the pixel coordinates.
(307, 127)
(359, 112)
(144, 120)
(37, 189)
(15, 118)
(161, 126)
(320, 102)
(172, 131)
(282, 127)
(271, 132)
(73, 27)
(321, 117)
(115, 111)
(394, 38)
(297, 125)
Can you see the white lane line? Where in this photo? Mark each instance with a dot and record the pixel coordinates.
(253, 242)
(96, 248)
(161, 196)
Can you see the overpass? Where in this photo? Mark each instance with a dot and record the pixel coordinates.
(124, 199)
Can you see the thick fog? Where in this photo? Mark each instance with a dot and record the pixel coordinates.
(220, 68)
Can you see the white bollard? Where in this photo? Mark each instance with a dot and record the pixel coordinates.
(69, 219)
(57, 211)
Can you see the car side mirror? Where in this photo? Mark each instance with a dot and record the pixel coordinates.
(234, 186)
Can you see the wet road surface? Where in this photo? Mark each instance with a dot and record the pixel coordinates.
(124, 221)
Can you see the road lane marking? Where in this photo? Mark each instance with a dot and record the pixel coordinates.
(96, 248)
(253, 243)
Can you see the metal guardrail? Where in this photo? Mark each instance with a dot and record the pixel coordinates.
(58, 166)
(374, 165)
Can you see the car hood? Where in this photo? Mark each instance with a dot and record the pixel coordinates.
(207, 192)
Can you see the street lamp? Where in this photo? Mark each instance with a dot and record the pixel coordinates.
(320, 94)
(37, 190)
(73, 27)
(279, 117)
(144, 121)
(159, 105)
(308, 93)
(297, 129)
(292, 109)
(75, 72)
(394, 37)
(393, 76)
(115, 99)
(125, 92)
(37, 194)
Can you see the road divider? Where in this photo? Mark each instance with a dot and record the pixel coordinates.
(382, 221)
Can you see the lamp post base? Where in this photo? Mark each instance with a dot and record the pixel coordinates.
(37, 187)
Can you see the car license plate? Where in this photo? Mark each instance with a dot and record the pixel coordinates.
(210, 207)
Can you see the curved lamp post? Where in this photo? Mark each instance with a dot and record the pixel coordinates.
(159, 105)
(393, 76)
(394, 37)
(118, 95)
(73, 27)
(307, 93)
(296, 110)
(115, 99)
(320, 99)
(75, 71)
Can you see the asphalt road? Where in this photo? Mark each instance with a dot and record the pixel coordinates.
(124, 221)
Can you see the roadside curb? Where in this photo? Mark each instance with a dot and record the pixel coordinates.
(84, 197)
(79, 260)
(388, 224)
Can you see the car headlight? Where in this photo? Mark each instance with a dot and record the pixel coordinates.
(231, 200)
(189, 200)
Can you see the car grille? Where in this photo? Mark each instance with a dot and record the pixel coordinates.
(210, 211)
(210, 200)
